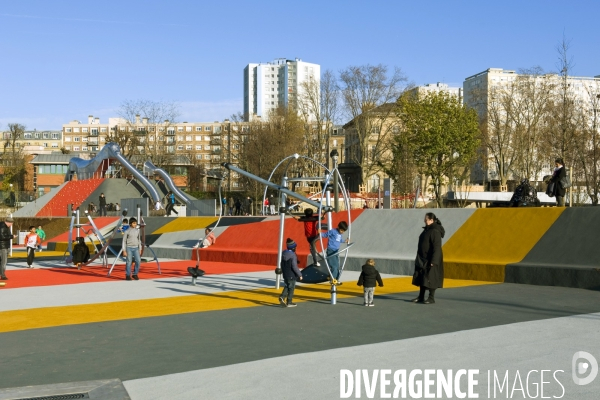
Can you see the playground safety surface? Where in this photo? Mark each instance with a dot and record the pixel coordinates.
(228, 337)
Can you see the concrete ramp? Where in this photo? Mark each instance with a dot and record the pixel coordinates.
(494, 238)
(567, 254)
(390, 237)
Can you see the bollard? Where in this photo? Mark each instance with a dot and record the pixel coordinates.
(333, 294)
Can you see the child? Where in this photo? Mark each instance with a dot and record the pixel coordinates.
(124, 226)
(209, 239)
(289, 269)
(32, 241)
(81, 253)
(132, 244)
(368, 277)
(334, 241)
(40, 232)
(311, 232)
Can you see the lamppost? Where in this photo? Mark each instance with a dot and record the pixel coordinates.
(336, 196)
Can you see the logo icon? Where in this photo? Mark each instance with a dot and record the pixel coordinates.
(581, 367)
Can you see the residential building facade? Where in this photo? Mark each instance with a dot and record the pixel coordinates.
(279, 83)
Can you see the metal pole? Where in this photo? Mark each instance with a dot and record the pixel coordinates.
(11, 238)
(336, 194)
(271, 185)
(328, 204)
(78, 224)
(282, 208)
(333, 294)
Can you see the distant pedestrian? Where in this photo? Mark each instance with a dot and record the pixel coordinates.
(5, 237)
(230, 203)
(266, 206)
(102, 203)
(32, 241)
(290, 271)
(367, 279)
(559, 177)
(429, 263)
(170, 204)
(272, 205)
(223, 205)
(238, 207)
(40, 232)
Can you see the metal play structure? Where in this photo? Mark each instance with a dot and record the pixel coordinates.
(331, 180)
(104, 248)
(97, 167)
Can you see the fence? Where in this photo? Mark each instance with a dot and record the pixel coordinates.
(207, 207)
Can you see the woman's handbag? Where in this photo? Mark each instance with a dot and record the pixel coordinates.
(550, 189)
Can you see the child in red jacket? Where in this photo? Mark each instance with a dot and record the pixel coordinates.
(32, 241)
(311, 232)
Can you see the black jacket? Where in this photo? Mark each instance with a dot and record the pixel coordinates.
(102, 201)
(556, 177)
(369, 276)
(289, 265)
(5, 236)
(429, 263)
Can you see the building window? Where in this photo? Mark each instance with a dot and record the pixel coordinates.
(207, 147)
(45, 144)
(188, 138)
(94, 131)
(180, 138)
(188, 128)
(198, 137)
(54, 135)
(198, 129)
(75, 129)
(68, 130)
(102, 129)
(198, 147)
(84, 139)
(84, 148)
(188, 147)
(67, 138)
(84, 130)
(76, 148)
(207, 156)
(179, 147)
(207, 128)
(161, 138)
(180, 129)
(198, 156)
(171, 131)
(151, 138)
(67, 147)
(76, 139)
(55, 145)
(207, 138)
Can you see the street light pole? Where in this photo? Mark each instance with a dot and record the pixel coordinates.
(336, 196)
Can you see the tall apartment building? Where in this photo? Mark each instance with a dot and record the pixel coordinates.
(268, 86)
(438, 87)
(479, 92)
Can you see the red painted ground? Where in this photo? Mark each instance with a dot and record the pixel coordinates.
(67, 276)
(74, 192)
(256, 243)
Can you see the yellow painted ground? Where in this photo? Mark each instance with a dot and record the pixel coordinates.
(88, 313)
(492, 238)
(62, 247)
(186, 224)
(45, 253)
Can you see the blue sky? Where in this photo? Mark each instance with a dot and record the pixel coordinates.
(64, 60)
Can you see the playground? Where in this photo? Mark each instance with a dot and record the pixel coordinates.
(521, 293)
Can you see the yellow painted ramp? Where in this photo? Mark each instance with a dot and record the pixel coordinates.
(186, 224)
(492, 238)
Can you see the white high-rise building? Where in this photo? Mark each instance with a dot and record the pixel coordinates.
(268, 86)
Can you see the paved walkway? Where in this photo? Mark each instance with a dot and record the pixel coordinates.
(227, 338)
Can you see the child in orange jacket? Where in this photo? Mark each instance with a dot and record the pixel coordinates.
(32, 241)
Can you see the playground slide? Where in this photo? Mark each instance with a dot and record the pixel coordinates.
(85, 169)
(168, 180)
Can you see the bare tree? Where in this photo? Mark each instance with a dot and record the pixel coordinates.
(369, 94)
(318, 105)
(13, 158)
(267, 143)
(588, 146)
(534, 93)
(146, 122)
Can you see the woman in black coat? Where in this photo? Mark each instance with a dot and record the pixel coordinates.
(429, 264)
(558, 175)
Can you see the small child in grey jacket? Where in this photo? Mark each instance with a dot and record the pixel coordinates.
(368, 278)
